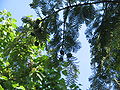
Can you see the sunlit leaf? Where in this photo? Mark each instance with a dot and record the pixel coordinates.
(15, 85)
(1, 88)
(21, 87)
(3, 78)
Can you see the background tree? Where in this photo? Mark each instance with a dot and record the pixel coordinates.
(105, 48)
(102, 20)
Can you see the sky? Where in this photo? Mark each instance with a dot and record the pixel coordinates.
(20, 8)
(83, 56)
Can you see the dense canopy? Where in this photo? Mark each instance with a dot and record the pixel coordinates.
(39, 55)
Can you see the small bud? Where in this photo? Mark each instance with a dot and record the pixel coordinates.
(36, 43)
(61, 52)
(69, 55)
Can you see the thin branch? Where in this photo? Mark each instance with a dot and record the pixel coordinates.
(117, 82)
(68, 7)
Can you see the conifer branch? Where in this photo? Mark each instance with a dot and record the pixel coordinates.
(72, 6)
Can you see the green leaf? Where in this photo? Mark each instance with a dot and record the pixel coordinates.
(14, 25)
(62, 80)
(64, 72)
(15, 85)
(65, 64)
(14, 20)
(1, 19)
(1, 88)
(1, 13)
(9, 14)
(73, 85)
(21, 88)
(3, 78)
(39, 76)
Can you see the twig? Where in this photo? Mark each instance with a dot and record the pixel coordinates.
(117, 82)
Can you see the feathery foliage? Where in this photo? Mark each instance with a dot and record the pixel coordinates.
(102, 19)
(56, 31)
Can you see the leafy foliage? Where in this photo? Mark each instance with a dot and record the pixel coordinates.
(104, 39)
(40, 54)
(22, 64)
